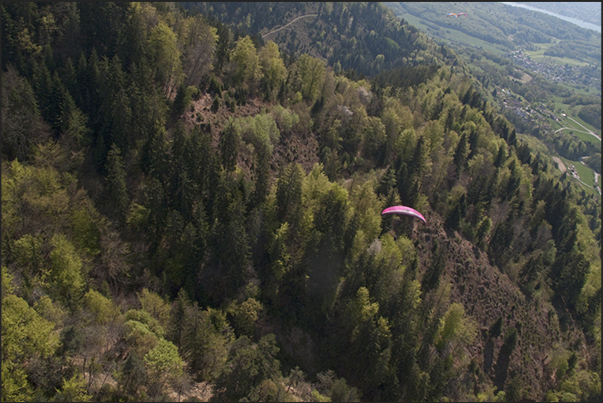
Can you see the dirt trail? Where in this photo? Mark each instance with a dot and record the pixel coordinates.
(560, 164)
(585, 128)
(285, 26)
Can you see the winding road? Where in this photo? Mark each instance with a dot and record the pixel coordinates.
(585, 128)
(285, 26)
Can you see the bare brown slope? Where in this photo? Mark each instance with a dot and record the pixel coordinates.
(488, 294)
(295, 146)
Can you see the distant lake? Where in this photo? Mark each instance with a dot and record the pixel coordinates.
(575, 21)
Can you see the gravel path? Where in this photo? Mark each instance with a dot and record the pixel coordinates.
(560, 164)
(285, 26)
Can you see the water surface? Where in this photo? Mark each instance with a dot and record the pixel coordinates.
(575, 21)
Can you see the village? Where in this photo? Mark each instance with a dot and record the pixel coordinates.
(538, 113)
(576, 75)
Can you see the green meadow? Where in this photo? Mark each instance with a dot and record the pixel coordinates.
(449, 34)
(586, 174)
(540, 57)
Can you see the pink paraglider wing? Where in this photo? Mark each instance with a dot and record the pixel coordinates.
(403, 210)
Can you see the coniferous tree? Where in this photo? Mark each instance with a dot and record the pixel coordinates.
(22, 125)
(116, 185)
(289, 194)
(229, 146)
(460, 154)
(247, 367)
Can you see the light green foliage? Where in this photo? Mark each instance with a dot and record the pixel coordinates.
(101, 307)
(145, 317)
(37, 191)
(7, 282)
(367, 210)
(73, 390)
(49, 310)
(166, 56)
(583, 385)
(245, 315)
(396, 118)
(200, 47)
(285, 119)
(27, 251)
(315, 185)
(363, 309)
(156, 306)
(86, 229)
(373, 137)
(246, 63)
(272, 66)
(25, 335)
(261, 131)
(164, 364)
(139, 337)
(66, 278)
(317, 397)
(279, 253)
(137, 216)
(455, 327)
(313, 250)
(311, 71)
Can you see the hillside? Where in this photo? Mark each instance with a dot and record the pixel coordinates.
(544, 88)
(377, 39)
(192, 211)
(586, 11)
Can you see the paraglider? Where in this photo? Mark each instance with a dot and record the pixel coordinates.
(403, 210)
(455, 15)
(459, 14)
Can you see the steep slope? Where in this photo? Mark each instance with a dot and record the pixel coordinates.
(489, 295)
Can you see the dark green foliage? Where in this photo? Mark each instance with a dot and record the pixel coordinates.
(101, 25)
(247, 366)
(496, 328)
(133, 375)
(72, 339)
(182, 100)
(118, 190)
(229, 263)
(341, 392)
(431, 278)
(460, 154)
(502, 364)
(116, 184)
(22, 125)
(229, 147)
(203, 342)
(289, 194)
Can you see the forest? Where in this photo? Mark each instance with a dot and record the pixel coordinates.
(191, 212)
(507, 27)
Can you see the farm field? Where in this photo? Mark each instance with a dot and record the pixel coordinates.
(580, 131)
(540, 57)
(587, 175)
(452, 35)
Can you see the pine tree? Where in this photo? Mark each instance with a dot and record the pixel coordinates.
(431, 278)
(289, 194)
(229, 146)
(116, 185)
(460, 154)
